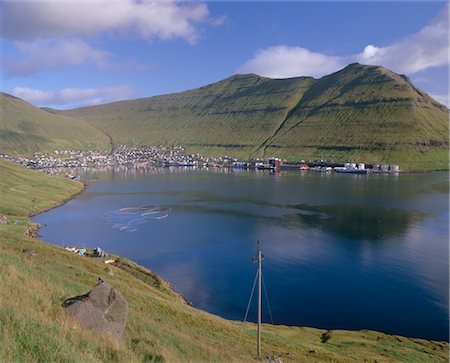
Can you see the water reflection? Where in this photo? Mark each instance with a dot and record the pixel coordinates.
(356, 222)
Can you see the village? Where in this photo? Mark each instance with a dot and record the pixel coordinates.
(176, 156)
(121, 156)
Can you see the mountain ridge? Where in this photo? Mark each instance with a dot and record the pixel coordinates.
(365, 113)
(360, 113)
(243, 76)
(348, 90)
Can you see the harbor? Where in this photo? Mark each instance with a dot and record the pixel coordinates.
(177, 156)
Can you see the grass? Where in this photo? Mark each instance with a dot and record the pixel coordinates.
(161, 326)
(24, 193)
(25, 129)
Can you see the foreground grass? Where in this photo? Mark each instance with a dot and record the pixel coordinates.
(161, 326)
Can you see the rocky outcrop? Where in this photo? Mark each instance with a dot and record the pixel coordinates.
(29, 251)
(32, 230)
(103, 310)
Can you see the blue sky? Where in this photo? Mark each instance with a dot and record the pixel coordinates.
(67, 54)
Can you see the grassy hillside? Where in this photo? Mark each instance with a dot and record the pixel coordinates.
(367, 113)
(361, 113)
(228, 117)
(25, 129)
(364, 113)
(161, 326)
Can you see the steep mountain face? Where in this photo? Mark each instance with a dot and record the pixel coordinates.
(361, 113)
(25, 129)
(231, 117)
(364, 113)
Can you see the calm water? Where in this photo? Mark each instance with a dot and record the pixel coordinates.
(341, 251)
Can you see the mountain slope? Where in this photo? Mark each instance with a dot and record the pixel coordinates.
(25, 129)
(161, 326)
(230, 116)
(366, 113)
(362, 113)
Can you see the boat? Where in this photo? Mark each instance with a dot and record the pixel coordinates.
(304, 167)
(266, 167)
(322, 169)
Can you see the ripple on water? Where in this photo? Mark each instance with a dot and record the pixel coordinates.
(127, 219)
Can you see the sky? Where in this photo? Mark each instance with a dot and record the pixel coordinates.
(66, 54)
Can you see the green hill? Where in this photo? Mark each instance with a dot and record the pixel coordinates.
(25, 129)
(366, 113)
(161, 326)
(228, 117)
(361, 113)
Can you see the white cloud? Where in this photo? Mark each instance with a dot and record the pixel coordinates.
(72, 97)
(425, 49)
(283, 62)
(47, 33)
(220, 20)
(50, 54)
(29, 20)
(35, 96)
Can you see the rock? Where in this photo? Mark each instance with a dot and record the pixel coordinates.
(29, 251)
(274, 359)
(3, 219)
(32, 230)
(325, 336)
(98, 252)
(103, 310)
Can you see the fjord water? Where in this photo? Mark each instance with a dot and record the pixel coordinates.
(341, 251)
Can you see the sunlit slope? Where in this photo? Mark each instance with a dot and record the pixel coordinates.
(366, 113)
(161, 326)
(25, 129)
(232, 116)
(361, 113)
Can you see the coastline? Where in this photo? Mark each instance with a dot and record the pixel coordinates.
(66, 200)
(187, 301)
(33, 228)
(36, 276)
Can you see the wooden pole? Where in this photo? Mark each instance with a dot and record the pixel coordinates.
(259, 302)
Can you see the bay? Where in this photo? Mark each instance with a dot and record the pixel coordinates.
(341, 251)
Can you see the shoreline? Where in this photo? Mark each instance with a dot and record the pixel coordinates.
(68, 199)
(189, 303)
(281, 169)
(33, 231)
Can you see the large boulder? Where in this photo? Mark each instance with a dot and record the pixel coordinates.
(103, 310)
